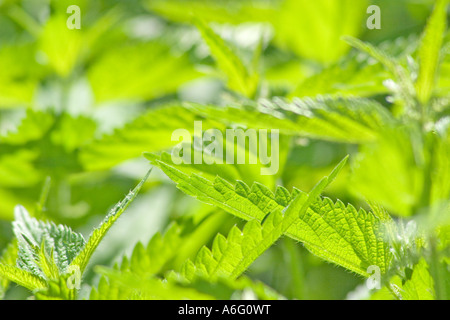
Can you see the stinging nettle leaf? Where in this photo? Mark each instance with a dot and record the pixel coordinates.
(429, 51)
(44, 246)
(8, 257)
(151, 131)
(231, 256)
(401, 76)
(313, 29)
(240, 78)
(98, 234)
(353, 239)
(419, 285)
(351, 120)
(157, 257)
(22, 277)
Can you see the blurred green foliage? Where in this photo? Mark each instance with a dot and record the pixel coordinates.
(81, 106)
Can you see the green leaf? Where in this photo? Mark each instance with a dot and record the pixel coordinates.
(398, 153)
(240, 78)
(350, 77)
(231, 256)
(10, 200)
(356, 74)
(43, 144)
(419, 286)
(429, 52)
(440, 177)
(151, 132)
(73, 132)
(222, 11)
(403, 79)
(45, 249)
(120, 285)
(163, 253)
(8, 257)
(354, 239)
(56, 290)
(444, 77)
(22, 277)
(20, 75)
(109, 290)
(353, 120)
(98, 234)
(33, 127)
(136, 288)
(313, 30)
(381, 56)
(161, 250)
(17, 170)
(333, 175)
(151, 70)
(169, 251)
(228, 172)
(337, 233)
(213, 164)
(61, 45)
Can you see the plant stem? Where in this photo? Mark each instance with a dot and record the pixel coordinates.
(43, 198)
(297, 270)
(436, 270)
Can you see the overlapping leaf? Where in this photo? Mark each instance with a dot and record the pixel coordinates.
(82, 259)
(39, 240)
(150, 132)
(337, 119)
(125, 281)
(430, 50)
(335, 232)
(8, 257)
(47, 253)
(240, 77)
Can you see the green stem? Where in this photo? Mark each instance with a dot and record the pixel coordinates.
(436, 270)
(426, 202)
(40, 207)
(297, 270)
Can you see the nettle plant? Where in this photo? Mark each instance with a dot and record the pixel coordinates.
(50, 259)
(402, 168)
